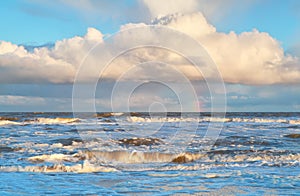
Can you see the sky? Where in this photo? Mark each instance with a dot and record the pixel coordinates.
(254, 46)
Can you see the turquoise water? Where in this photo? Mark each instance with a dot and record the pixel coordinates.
(121, 154)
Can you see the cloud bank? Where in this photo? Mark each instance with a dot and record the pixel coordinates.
(253, 58)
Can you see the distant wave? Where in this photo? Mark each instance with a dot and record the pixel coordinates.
(112, 117)
(54, 120)
(297, 122)
(8, 122)
(210, 119)
(108, 114)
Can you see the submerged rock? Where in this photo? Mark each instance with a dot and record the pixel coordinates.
(104, 115)
(67, 141)
(293, 135)
(6, 149)
(141, 141)
(9, 118)
(184, 158)
(136, 114)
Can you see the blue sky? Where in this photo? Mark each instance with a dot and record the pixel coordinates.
(278, 18)
(35, 23)
(32, 22)
(29, 22)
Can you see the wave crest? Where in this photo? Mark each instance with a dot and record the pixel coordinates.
(55, 120)
(8, 122)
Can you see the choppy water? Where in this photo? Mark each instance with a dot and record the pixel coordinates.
(115, 154)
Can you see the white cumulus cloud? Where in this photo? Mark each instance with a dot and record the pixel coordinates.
(56, 65)
(247, 58)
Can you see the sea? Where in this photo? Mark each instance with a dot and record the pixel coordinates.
(140, 153)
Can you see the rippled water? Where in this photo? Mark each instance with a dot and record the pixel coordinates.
(44, 153)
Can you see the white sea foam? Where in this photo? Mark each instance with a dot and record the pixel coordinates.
(216, 119)
(295, 122)
(210, 119)
(157, 119)
(54, 120)
(8, 122)
(181, 119)
(54, 158)
(86, 167)
(260, 120)
(117, 113)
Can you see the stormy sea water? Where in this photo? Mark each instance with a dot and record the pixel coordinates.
(149, 154)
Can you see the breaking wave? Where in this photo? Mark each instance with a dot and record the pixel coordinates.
(8, 122)
(54, 120)
(86, 167)
(105, 161)
(108, 114)
(186, 157)
(210, 119)
(5, 121)
(144, 119)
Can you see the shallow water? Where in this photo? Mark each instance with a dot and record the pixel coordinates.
(44, 153)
